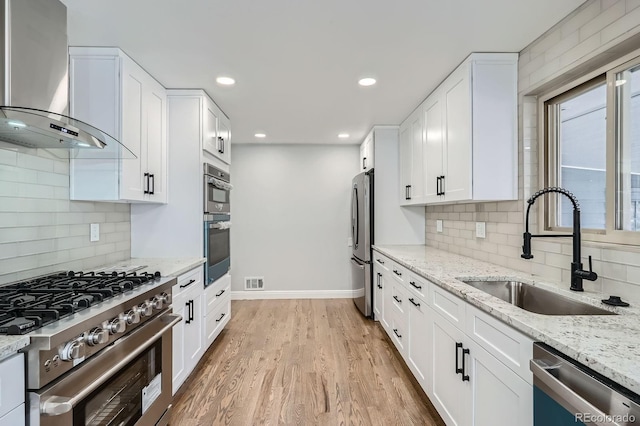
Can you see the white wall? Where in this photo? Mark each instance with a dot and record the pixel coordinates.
(41, 230)
(290, 212)
(576, 45)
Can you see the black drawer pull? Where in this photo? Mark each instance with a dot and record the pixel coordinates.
(458, 346)
(221, 316)
(220, 294)
(188, 284)
(395, 271)
(414, 303)
(465, 376)
(397, 300)
(413, 283)
(379, 286)
(380, 261)
(395, 331)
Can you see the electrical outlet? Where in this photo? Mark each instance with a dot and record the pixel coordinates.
(481, 230)
(439, 225)
(95, 232)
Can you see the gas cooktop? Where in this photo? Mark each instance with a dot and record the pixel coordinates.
(28, 305)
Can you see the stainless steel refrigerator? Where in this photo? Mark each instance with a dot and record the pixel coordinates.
(362, 238)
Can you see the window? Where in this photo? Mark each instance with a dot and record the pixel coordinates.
(592, 148)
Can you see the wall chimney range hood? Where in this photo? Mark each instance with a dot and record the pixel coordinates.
(34, 85)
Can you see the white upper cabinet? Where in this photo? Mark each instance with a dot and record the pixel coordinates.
(469, 123)
(412, 173)
(111, 92)
(367, 153)
(216, 139)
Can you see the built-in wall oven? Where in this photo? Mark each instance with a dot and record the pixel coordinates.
(217, 228)
(217, 190)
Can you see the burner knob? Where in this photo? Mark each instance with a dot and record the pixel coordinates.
(97, 336)
(145, 309)
(72, 350)
(116, 325)
(160, 300)
(132, 316)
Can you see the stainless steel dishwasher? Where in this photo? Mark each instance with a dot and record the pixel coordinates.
(569, 393)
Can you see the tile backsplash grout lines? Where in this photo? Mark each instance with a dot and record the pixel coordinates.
(41, 230)
(589, 31)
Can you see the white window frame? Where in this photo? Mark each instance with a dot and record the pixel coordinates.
(547, 161)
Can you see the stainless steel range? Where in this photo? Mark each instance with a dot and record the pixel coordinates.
(100, 350)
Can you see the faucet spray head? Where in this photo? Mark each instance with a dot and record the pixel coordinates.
(526, 246)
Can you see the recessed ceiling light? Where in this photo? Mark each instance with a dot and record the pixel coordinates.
(225, 81)
(260, 135)
(367, 81)
(620, 82)
(343, 135)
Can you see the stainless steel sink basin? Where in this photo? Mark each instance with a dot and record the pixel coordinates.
(535, 299)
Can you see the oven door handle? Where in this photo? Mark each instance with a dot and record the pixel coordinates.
(220, 184)
(220, 225)
(57, 405)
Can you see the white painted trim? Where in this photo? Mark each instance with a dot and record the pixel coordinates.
(294, 294)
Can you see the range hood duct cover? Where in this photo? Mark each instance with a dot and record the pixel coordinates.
(34, 89)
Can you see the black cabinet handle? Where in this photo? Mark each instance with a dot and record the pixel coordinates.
(188, 284)
(408, 192)
(221, 316)
(458, 346)
(220, 294)
(188, 305)
(441, 185)
(152, 177)
(413, 302)
(465, 376)
(364, 163)
(220, 144)
(437, 185)
(395, 331)
(395, 271)
(413, 283)
(380, 261)
(379, 278)
(146, 184)
(397, 300)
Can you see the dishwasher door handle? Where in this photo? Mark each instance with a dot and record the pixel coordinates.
(541, 371)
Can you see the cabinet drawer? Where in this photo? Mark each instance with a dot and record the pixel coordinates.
(188, 280)
(508, 345)
(449, 306)
(381, 261)
(418, 285)
(216, 292)
(398, 272)
(398, 331)
(11, 383)
(398, 298)
(217, 319)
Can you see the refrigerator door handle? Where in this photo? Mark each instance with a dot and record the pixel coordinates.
(357, 263)
(356, 214)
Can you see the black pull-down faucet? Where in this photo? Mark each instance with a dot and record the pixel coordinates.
(577, 273)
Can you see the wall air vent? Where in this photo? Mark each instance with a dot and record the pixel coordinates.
(254, 283)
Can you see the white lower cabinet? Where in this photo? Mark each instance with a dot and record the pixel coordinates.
(473, 367)
(378, 293)
(12, 391)
(188, 344)
(218, 308)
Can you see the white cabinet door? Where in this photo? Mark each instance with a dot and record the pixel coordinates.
(378, 293)
(456, 184)
(179, 366)
(210, 131)
(193, 334)
(450, 393)
(224, 138)
(416, 192)
(405, 163)
(387, 302)
(419, 341)
(366, 153)
(132, 183)
(15, 417)
(12, 386)
(499, 396)
(434, 139)
(156, 113)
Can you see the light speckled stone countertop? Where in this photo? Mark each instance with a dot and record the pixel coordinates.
(171, 267)
(609, 344)
(9, 345)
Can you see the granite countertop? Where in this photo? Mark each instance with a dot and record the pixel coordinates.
(608, 344)
(170, 267)
(9, 345)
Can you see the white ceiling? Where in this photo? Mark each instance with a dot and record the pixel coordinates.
(297, 62)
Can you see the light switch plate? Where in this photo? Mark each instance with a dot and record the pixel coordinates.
(481, 230)
(439, 225)
(95, 232)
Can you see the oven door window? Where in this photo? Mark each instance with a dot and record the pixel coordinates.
(217, 195)
(124, 399)
(218, 245)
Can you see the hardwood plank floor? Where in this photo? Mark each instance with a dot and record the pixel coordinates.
(301, 362)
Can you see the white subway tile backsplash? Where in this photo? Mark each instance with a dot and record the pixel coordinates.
(8, 157)
(28, 161)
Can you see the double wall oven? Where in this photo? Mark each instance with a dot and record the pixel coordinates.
(100, 348)
(217, 223)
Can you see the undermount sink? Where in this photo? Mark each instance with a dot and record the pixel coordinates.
(535, 299)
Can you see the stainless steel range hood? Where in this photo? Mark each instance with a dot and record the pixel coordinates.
(34, 94)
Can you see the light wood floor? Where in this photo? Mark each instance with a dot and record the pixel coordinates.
(301, 362)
